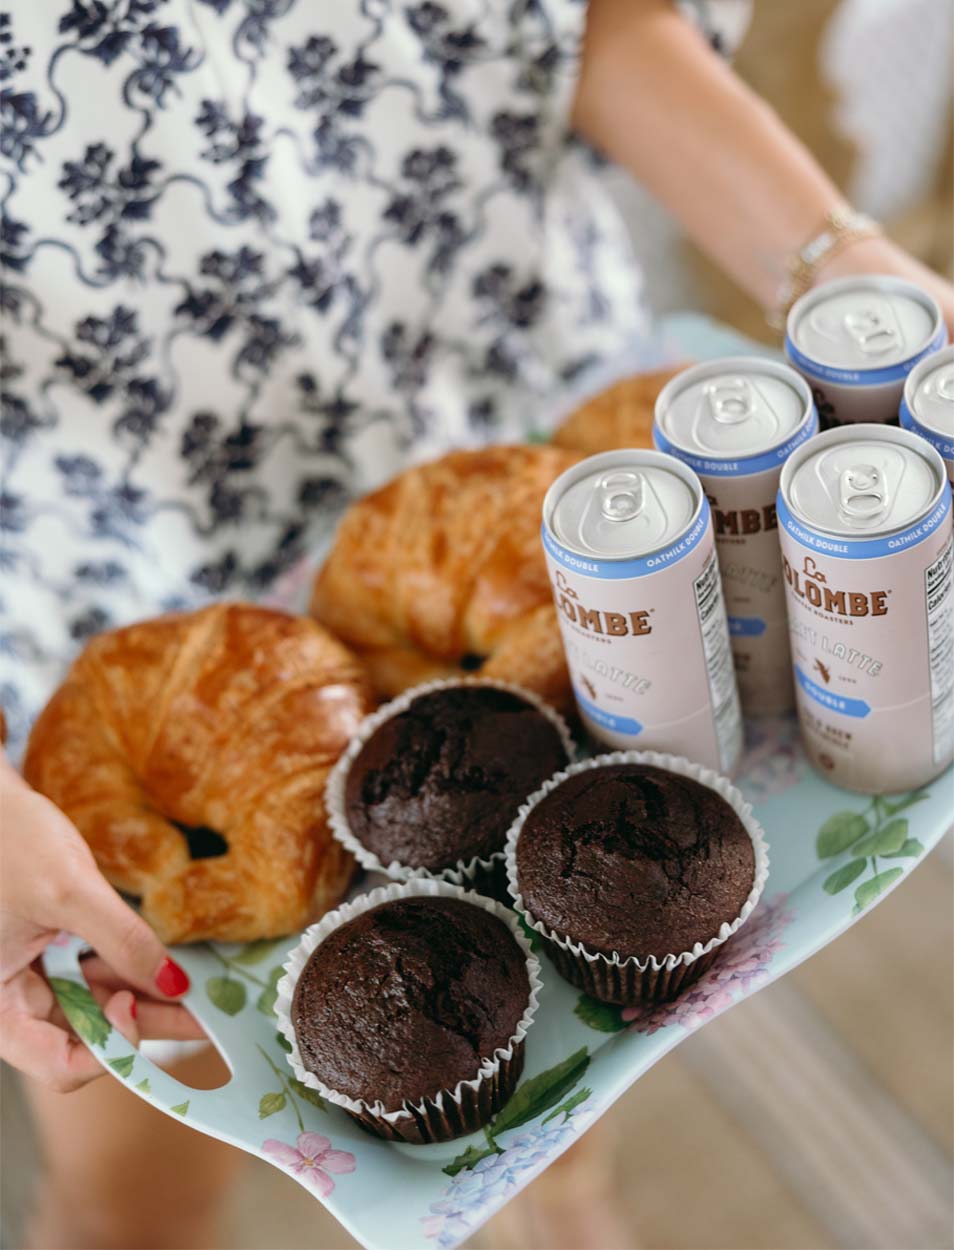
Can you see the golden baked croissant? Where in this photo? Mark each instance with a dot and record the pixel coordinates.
(620, 416)
(197, 727)
(441, 571)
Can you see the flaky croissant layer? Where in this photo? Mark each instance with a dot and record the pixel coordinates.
(227, 719)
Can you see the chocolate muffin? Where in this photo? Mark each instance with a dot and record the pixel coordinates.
(439, 783)
(633, 862)
(407, 1000)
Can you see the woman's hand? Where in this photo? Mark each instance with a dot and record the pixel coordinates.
(49, 882)
(880, 255)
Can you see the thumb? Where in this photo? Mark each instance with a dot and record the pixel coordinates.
(96, 913)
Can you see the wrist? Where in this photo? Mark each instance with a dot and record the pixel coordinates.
(841, 230)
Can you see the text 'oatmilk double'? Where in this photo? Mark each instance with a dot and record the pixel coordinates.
(630, 552)
(735, 422)
(855, 340)
(865, 523)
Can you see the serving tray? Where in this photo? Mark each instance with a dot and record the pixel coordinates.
(834, 855)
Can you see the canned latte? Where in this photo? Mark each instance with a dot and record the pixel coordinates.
(927, 407)
(855, 340)
(865, 523)
(629, 547)
(735, 422)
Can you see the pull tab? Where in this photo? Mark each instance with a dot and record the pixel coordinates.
(861, 492)
(621, 495)
(945, 386)
(731, 399)
(871, 332)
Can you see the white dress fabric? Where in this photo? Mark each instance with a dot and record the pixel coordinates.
(256, 255)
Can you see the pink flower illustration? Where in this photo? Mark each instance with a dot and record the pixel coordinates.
(774, 760)
(742, 967)
(311, 1159)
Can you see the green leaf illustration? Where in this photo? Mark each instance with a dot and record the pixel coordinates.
(470, 1157)
(843, 877)
(226, 994)
(868, 891)
(124, 1066)
(144, 1087)
(883, 841)
(255, 952)
(910, 850)
(906, 801)
(309, 1095)
(82, 1011)
(838, 832)
(604, 1017)
(181, 1108)
(283, 1042)
(268, 1104)
(542, 1092)
(532, 936)
(267, 999)
(569, 1106)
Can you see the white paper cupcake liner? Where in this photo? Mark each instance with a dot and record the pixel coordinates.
(449, 1113)
(478, 873)
(631, 980)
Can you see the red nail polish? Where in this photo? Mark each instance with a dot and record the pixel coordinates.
(134, 1009)
(171, 979)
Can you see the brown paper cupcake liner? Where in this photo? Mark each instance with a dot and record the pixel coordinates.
(448, 1113)
(629, 980)
(483, 875)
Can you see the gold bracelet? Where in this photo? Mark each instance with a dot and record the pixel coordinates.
(841, 226)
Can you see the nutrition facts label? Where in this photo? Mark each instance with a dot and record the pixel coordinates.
(710, 606)
(940, 624)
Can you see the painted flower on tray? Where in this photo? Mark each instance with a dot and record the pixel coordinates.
(740, 970)
(773, 761)
(310, 1159)
(474, 1193)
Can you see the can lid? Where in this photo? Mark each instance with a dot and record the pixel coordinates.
(862, 323)
(932, 398)
(862, 482)
(629, 504)
(732, 408)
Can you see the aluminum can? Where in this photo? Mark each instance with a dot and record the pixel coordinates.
(736, 421)
(855, 340)
(865, 526)
(927, 406)
(631, 556)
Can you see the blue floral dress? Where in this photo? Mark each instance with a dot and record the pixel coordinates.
(257, 254)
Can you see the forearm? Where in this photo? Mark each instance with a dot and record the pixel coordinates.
(657, 100)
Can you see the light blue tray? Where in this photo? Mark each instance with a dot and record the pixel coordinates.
(833, 856)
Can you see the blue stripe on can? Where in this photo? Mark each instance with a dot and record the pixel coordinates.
(827, 698)
(945, 446)
(608, 720)
(848, 548)
(746, 627)
(618, 570)
(743, 466)
(862, 377)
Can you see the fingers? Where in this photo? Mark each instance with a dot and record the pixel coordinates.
(94, 910)
(154, 1020)
(48, 1054)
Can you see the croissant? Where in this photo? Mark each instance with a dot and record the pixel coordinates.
(441, 571)
(621, 416)
(191, 752)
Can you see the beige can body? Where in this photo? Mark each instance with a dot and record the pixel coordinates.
(745, 523)
(647, 642)
(872, 637)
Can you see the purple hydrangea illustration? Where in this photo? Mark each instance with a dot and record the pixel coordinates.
(475, 1193)
(741, 968)
(774, 760)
